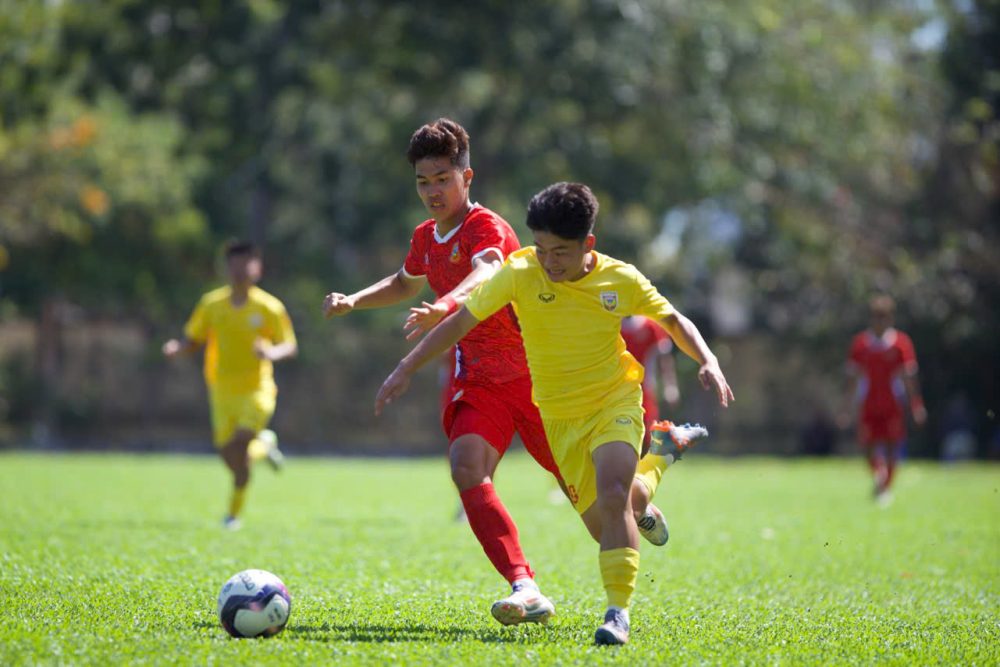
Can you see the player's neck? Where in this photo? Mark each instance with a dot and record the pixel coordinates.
(445, 225)
(238, 294)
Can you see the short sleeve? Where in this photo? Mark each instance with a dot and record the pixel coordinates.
(197, 325)
(857, 352)
(649, 301)
(280, 324)
(490, 234)
(416, 264)
(493, 294)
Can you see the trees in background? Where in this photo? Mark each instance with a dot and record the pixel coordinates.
(785, 157)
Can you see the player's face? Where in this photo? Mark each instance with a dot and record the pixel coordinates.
(880, 321)
(443, 187)
(243, 270)
(563, 259)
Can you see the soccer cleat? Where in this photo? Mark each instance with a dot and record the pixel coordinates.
(653, 526)
(614, 630)
(231, 523)
(274, 456)
(670, 440)
(524, 605)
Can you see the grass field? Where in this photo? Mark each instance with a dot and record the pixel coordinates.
(110, 559)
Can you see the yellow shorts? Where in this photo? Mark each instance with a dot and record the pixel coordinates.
(232, 412)
(573, 442)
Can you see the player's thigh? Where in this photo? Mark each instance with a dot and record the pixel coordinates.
(479, 411)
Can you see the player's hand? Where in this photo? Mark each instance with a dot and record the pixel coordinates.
(712, 378)
(172, 348)
(394, 386)
(336, 303)
(262, 349)
(423, 318)
(919, 415)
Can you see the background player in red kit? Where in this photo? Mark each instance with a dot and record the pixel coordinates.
(650, 344)
(883, 368)
(460, 246)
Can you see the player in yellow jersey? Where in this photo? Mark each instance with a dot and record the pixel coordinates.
(569, 302)
(243, 329)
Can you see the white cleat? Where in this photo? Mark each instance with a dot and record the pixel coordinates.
(232, 523)
(653, 526)
(525, 605)
(614, 630)
(672, 440)
(274, 456)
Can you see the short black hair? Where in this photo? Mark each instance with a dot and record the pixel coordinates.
(568, 210)
(442, 138)
(240, 248)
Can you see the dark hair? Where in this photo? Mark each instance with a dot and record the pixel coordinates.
(567, 210)
(442, 138)
(238, 248)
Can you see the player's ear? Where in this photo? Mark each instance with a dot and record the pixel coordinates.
(467, 176)
(589, 242)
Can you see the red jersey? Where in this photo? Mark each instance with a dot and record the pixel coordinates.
(642, 336)
(881, 362)
(492, 352)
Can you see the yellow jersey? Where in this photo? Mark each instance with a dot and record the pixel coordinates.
(571, 330)
(229, 333)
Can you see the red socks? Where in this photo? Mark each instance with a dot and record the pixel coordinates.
(496, 532)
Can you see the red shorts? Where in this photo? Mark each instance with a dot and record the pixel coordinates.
(495, 412)
(651, 414)
(888, 429)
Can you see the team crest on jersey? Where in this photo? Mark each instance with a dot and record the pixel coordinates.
(256, 320)
(456, 254)
(546, 297)
(609, 300)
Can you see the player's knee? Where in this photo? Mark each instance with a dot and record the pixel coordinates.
(613, 495)
(468, 473)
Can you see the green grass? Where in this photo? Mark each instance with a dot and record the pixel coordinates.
(118, 559)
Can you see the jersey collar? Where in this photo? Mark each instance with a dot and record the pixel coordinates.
(447, 237)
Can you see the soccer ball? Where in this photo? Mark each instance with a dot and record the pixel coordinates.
(254, 603)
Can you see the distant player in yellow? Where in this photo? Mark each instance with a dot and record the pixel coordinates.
(244, 329)
(570, 301)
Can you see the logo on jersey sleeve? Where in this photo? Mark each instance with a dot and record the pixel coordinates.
(546, 297)
(456, 254)
(609, 300)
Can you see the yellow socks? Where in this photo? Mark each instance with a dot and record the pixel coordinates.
(619, 570)
(236, 501)
(650, 471)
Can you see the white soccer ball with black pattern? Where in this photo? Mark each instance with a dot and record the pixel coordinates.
(254, 603)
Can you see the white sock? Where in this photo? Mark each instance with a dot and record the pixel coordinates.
(530, 583)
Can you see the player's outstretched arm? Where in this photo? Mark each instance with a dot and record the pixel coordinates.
(425, 317)
(179, 347)
(386, 292)
(446, 334)
(689, 339)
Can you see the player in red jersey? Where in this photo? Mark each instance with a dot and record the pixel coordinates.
(460, 246)
(650, 344)
(883, 368)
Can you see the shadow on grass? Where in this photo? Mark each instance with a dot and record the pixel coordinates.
(378, 633)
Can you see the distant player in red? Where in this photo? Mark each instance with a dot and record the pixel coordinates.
(883, 369)
(650, 344)
(460, 246)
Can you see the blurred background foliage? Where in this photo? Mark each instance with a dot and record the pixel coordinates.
(769, 164)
